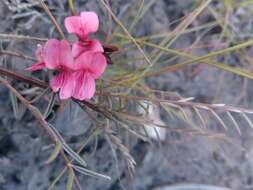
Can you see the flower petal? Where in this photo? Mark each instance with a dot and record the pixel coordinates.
(65, 58)
(98, 65)
(92, 45)
(94, 63)
(63, 82)
(89, 22)
(37, 66)
(96, 46)
(52, 53)
(73, 25)
(85, 86)
(56, 82)
(77, 49)
(67, 89)
(57, 53)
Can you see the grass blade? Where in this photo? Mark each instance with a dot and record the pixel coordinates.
(70, 180)
(50, 106)
(234, 122)
(67, 148)
(88, 172)
(54, 154)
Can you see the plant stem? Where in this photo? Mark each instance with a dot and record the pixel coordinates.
(17, 54)
(72, 7)
(57, 26)
(22, 37)
(17, 76)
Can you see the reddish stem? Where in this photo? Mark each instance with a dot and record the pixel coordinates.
(17, 76)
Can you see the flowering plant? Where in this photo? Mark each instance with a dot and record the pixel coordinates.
(78, 66)
(127, 103)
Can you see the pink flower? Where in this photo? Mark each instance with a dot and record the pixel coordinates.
(79, 80)
(88, 67)
(77, 67)
(56, 55)
(75, 78)
(40, 64)
(53, 55)
(82, 26)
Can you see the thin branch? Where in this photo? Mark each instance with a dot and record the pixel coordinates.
(57, 26)
(203, 106)
(150, 64)
(35, 112)
(17, 54)
(22, 37)
(17, 76)
(39, 117)
(93, 133)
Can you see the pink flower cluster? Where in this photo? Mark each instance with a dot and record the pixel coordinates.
(78, 66)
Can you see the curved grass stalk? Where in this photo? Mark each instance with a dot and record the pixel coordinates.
(173, 34)
(50, 15)
(181, 28)
(195, 59)
(95, 132)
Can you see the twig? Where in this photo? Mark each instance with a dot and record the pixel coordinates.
(17, 76)
(126, 31)
(150, 63)
(39, 117)
(109, 30)
(57, 26)
(21, 37)
(93, 133)
(35, 112)
(17, 54)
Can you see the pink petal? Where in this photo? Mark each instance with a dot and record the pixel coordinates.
(98, 65)
(63, 82)
(56, 82)
(94, 63)
(77, 49)
(89, 22)
(73, 25)
(95, 45)
(67, 89)
(80, 47)
(82, 25)
(85, 86)
(35, 67)
(66, 58)
(57, 53)
(52, 53)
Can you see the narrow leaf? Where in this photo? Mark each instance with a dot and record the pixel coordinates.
(54, 154)
(67, 148)
(50, 106)
(14, 103)
(202, 120)
(234, 122)
(247, 119)
(88, 172)
(219, 119)
(70, 181)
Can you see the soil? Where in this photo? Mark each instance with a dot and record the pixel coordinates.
(181, 158)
